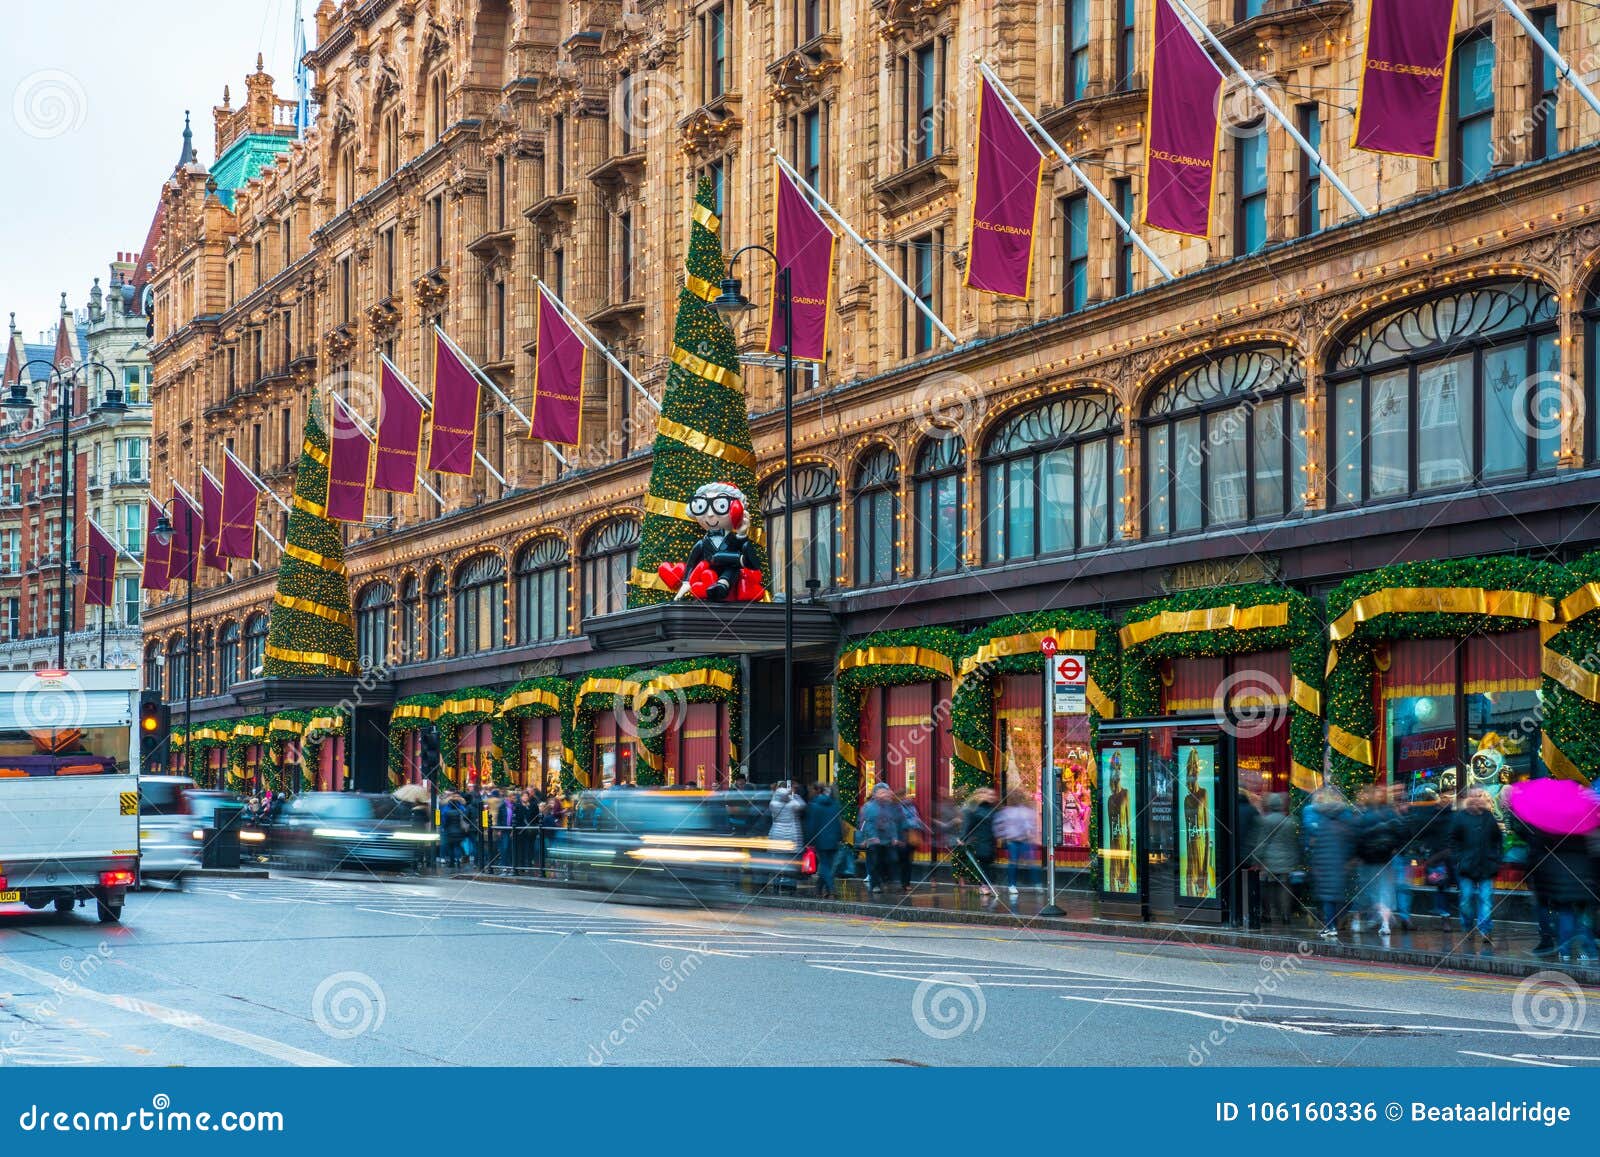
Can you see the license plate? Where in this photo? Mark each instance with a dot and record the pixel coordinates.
(10, 897)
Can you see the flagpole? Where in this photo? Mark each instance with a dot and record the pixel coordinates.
(483, 377)
(373, 434)
(1272, 108)
(1083, 179)
(428, 406)
(260, 485)
(115, 545)
(1563, 69)
(217, 483)
(596, 342)
(865, 248)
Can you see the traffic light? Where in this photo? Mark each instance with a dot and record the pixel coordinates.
(155, 720)
(428, 752)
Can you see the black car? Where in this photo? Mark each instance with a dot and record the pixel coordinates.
(333, 829)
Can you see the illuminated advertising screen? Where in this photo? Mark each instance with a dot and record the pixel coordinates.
(1119, 811)
(1197, 819)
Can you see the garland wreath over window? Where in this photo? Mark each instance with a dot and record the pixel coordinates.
(412, 713)
(1571, 689)
(882, 659)
(604, 689)
(664, 697)
(538, 698)
(1234, 620)
(324, 724)
(207, 736)
(460, 709)
(284, 728)
(1446, 598)
(247, 732)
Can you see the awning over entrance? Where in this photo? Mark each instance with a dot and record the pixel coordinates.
(696, 628)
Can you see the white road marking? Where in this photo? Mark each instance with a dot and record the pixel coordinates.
(172, 1017)
(1519, 1058)
(1202, 1015)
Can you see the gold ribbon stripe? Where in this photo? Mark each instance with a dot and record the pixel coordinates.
(1308, 697)
(700, 287)
(705, 677)
(306, 606)
(706, 217)
(898, 657)
(1572, 676)
(1442, 600)
(1303, 777)
(312, 558)
(316, 453)
(463, 706)
(1350, 746)
(416, 711)
(1100, 701)
(626, 687)
(650, 580)
(1224, 618)
(1021, 644)
(311, 658)
(1556, 760)
(705, 443)
(709, 371)
(970, 755)
(532, 697)
(292, 726)
(848, 753)
(316, 509)
(1580, 602)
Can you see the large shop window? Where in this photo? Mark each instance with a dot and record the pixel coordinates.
(410, 605)
(438, 626)
(1019, 752)
(255, 645)
(374, 612)
(815, 533)
(938, 487)
(1460, 713)
(1052, 479)
(1454, 391)
(541, 752)
(542, 590)
(877, 504)
(609, 556)
(1224, 443)
(480, 604)
(474, 746)
(1256, 684)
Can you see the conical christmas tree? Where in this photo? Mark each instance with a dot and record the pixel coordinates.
(311, 630)
(703, 432)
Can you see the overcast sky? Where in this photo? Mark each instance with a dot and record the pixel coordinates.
(91, 122)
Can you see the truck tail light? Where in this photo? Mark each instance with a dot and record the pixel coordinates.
(116, 878)
(2, 883)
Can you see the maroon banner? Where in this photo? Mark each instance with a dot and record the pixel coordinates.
(455, 411)
(805, 247)
(157, 555)
(1403, 79)
(211, 522)
(1184, 129)
(557, 378)
(102, 566)
(1005, 200)
(399, 434)
(349, 460)
(183, 558)
(236, 536)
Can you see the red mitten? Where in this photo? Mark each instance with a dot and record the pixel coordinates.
(672, 574)
(700, 579)
(750, 588)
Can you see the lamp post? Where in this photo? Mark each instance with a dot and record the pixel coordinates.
(19, 402)
(163, 531)
(731, 300)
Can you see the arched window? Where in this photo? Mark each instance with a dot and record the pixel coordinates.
(1052, 479)
(374, 613)
(542, 570)
(255, 646)
(609, 555)
(410, 605)
(438, 625)
(1451, 391)
(1224, 442)
(388, 143)
(177, 668)
(815, 532)
(877, 502)
(152, 667)
(480, 604)
(938, 491)
(228, 657)
(1591, 344)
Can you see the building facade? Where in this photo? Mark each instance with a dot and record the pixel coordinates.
(1316, 396)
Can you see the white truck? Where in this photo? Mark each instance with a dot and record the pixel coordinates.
(69, 789)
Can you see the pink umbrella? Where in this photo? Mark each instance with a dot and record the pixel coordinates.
(1559, 807)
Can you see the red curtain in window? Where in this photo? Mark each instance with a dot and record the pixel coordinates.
(1194, 684)
(1504, 662)
(1419, 667)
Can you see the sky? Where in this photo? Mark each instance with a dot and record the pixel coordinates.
(92, 96)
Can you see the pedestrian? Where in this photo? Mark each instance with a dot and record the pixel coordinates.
(977, 835)
(823, 835)
(1016, 826)
(1566, 879)
(881, 835)
(1476, 842)
(1378, 836)
(450, 829)
(785, 809)
(1328, 829)
(1275, 854)
(916, 836)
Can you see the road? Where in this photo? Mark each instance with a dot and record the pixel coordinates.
(305, 971)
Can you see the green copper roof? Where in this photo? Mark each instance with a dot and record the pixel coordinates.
(243, 159)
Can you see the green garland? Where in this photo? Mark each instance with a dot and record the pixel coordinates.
(399, 725)
(208, 736)
(450, 724)
(311, 742)
(508, 720)
(1304, 636)
(850, 687)
(659, 711)
(1571, 721)
(277, 745)
(578, 748)
(247, 732)
(1348, 702)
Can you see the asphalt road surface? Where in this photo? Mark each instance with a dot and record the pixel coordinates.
(305, 971)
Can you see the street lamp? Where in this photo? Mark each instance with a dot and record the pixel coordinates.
(730, 301)
(19, 402)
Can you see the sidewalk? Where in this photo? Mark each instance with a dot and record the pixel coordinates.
(1432, 943)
